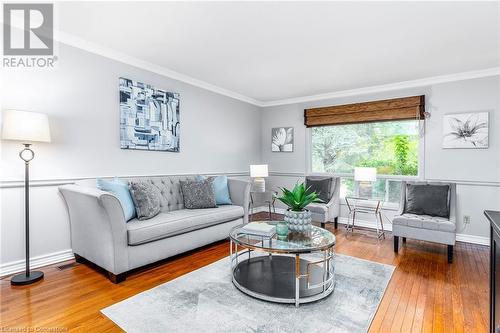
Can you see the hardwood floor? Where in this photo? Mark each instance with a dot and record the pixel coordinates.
(426, 294)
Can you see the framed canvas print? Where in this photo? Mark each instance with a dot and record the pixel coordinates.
(282, 139)
(149, 117)
(466, 130)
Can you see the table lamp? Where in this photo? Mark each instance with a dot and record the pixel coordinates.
(258, 172)
(365, 177)
(26, 127)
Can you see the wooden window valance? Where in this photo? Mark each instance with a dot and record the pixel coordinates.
(390, 109)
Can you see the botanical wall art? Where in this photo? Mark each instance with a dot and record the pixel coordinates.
(282, 139)
(466, 130)
(149, 117)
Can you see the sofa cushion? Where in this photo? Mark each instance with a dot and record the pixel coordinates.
(424, 222)
(321, 185)
(120, 189)
(177, 222)
(170, 190)
(318, 208)
(198, 194)
(146, 199)
(221, 189)
(427, 200)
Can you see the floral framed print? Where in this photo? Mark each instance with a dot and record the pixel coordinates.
(282, 139)
(466, 130)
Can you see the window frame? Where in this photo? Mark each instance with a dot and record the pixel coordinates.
(420, 172)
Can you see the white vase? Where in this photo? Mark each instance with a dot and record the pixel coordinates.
(298, 221)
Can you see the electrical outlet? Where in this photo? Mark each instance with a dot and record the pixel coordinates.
(466, 219)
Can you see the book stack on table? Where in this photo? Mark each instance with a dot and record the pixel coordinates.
(261, 229)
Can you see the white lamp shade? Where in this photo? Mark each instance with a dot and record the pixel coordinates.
(365, 174)
(258, 171)
(25, 126)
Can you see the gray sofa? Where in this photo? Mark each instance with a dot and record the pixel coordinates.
(100, 234)
(425, 227)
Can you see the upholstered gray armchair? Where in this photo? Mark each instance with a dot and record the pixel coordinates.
(430, 228)
(329, 211)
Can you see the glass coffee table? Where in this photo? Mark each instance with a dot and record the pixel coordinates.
(297, 269)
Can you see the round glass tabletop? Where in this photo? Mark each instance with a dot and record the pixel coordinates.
(316, 240)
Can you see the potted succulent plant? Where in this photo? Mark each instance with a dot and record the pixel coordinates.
(297, 217)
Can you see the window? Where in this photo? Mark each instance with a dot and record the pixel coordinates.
(390, 146)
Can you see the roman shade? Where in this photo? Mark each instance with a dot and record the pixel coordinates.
(390, 109)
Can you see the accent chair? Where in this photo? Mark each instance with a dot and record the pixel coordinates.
(438, 229)
(329, 211)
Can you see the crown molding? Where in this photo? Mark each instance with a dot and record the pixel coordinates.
(495, 71)
(85, 45)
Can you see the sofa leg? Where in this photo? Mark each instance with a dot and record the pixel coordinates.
(117, 278)
(404, 239)
(336, 222)
(396, 243)
(78, 258)
(450, 254)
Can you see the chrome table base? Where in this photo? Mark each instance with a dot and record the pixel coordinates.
(282, 278)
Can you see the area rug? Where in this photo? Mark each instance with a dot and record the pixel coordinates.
(205, 301)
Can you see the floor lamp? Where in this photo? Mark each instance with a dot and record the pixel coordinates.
(26, 127)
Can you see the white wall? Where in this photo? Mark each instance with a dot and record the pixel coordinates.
(218, 134)
(477, 171)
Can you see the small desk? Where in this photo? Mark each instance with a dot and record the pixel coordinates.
(362, 205)
(266, 197)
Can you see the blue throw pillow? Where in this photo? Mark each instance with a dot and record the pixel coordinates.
(220, 188)
(120, 189)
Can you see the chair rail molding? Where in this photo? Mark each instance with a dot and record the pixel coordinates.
(65, 181)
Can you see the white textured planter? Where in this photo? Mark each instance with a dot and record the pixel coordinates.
(298, 221)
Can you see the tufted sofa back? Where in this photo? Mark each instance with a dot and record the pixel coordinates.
(170, 189)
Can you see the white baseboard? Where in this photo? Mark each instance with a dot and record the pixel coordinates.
(480, 240)
(35, 262)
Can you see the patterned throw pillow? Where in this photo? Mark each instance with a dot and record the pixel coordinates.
(198, 194)
(221, 189)
(147, 198)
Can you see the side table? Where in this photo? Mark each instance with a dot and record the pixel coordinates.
(362, 205)
(266, 197)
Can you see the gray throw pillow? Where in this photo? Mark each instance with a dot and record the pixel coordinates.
(147, 198)
(427, 200)
(198, 194)
(321, 185)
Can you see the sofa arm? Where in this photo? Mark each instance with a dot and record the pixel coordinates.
(239, 190)
(98, 227)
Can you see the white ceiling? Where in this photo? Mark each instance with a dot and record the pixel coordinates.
(271, 51)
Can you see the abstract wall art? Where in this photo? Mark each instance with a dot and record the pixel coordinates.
(149, 117)
(466, 130)
(282, 139)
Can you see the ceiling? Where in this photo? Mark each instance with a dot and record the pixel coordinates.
(269, 51)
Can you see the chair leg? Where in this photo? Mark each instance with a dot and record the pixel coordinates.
(396, 243)
(117, 278)
(404, 239)
(323, 225)
(450, 254)
(336, 222)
